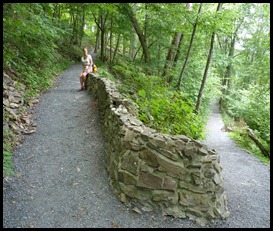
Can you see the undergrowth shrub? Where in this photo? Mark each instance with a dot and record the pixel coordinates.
(160, 107)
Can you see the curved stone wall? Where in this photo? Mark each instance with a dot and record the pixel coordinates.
(174, 174)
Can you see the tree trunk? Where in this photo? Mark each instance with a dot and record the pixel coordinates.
(133, 40)
(105, 45)
(158, 56)
(200, 94)
(59, 12)
(189, 49)
(136, 52)
(171, 52)
(76, 42)
(116, 49)
(82, 26)
(97, 40)
(103, 33)
(111, 40)
(71, 21)
(258, 143)
(101, 38)
(177, 55)
(139, 32)
(132, 46)
(146, 23)
(55, 10)
(124, 45)
(226, 82)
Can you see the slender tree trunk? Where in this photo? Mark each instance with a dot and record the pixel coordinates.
(103, 34)
(83, 24)
(124, 45)
(199, 98)
(76, 26)
(171, 52)
(55, 10)
(226, 77)
(226, 81)
(59, 12)
(189, 49)
(105, 46)
(97, 41)
(133, 40)
(177, 55)
(258, 143)
(111, 40)
(97, 46)
(145, 32)
(139, 32)
(132, 45)
(229, 67)
(158, 56)
(116, 49)
(138, 49)
(72, 23)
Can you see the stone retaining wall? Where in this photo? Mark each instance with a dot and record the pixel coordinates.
(174, 174)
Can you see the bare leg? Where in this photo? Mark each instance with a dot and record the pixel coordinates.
(81, 81)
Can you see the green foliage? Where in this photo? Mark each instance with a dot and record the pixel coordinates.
(169, 112)
(31, 46)
(32, 49)
(39, 34)
(253, 107)
(159, 107)
(9, 139)
(243, 141)
(240, 137)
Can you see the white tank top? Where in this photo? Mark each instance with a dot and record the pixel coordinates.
(86, 62)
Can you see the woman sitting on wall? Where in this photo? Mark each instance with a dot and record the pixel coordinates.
(87, 63)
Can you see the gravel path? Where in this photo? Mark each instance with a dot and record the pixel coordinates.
(62, 179)
(246, 179)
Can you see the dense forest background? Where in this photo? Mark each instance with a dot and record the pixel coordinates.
(172, 60)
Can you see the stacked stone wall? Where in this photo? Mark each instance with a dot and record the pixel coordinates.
(175, 174)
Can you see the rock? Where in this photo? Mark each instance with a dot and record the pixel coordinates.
(6, 102)
(15, 129)
(14, 105)
(26, 120)
(11, 98)
(27, 132)
(13, 112)
(35, 101)
(16, 94)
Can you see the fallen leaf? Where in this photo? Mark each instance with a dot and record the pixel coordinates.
(114, 225)
(135, 209)
(75, 183)
(29, 157)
